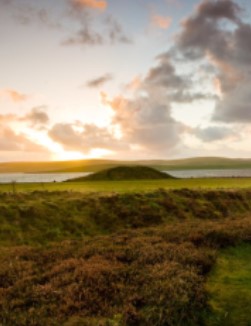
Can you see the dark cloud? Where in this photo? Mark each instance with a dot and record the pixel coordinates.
(178, 87)
(6, 2)
(99, 81)
(235, 106)
(87, 33)
(202, 30)
(82, 18)
(85, 14)
(212, 134)
(25, 13)
(164, 75)
(227, 48)
(37, 117)
(115, 32)
(84, 36)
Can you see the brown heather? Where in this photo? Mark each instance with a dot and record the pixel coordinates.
(149, 268)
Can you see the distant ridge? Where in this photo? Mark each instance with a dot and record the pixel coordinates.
(124, 173)
(94, 165)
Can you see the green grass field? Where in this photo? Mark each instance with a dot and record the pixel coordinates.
(229, 286)
(132, 185)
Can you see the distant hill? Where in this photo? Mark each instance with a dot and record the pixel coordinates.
(95, 165)
(124, 173)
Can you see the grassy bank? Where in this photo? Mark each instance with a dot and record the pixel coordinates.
(43, 217)
(131, 186)
(116, 259)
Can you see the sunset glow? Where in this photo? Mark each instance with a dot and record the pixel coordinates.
(124, 79)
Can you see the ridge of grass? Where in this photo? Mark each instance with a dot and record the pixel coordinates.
(43, 217)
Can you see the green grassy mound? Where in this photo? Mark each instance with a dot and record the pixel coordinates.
(125, 173)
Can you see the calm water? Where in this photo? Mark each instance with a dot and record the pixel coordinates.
(58, 177)
(211, 173)
(38, 177)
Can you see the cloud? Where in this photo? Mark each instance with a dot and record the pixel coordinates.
(144, 118)
(12, 140)
(216, 33)
(84, 36)
(146, 122)
(178, 87)
(84, 137)
(37, 117)
(6, 118)
(87, 34)
(13, 95)
(161, 22)
(26, 13)
(215, 37)
(6, 2)
(202, 31)
(93, 4)
(99, 81)
(85, 19)
(115, 31)
(164, 75)
(214, 133)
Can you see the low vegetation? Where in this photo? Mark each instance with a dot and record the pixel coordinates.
(43, 217)
(117, 259)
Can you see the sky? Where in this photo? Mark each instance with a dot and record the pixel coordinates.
(134, 79)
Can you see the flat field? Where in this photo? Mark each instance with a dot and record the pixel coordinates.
(131, 186)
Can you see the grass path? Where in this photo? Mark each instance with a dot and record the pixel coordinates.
(230, 287)
(132, 185)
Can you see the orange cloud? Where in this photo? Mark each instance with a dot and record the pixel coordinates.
(134, 84)
(13, 95)
(95, 4)
(161, 21)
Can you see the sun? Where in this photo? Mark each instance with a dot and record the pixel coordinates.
(68, 156)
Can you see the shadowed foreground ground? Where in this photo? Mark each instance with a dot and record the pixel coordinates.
(128, 259)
